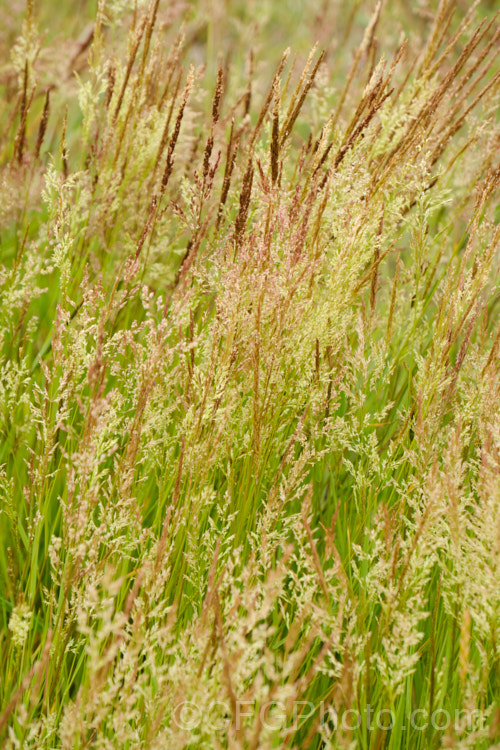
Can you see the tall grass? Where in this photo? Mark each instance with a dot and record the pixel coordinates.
(249, 379)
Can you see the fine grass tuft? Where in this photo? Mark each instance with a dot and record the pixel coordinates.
(249, 375)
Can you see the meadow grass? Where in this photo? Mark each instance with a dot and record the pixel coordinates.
(249, 377)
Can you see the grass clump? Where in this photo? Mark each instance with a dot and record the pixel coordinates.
(249, 382)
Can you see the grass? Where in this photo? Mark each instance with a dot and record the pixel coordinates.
(249, 379)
